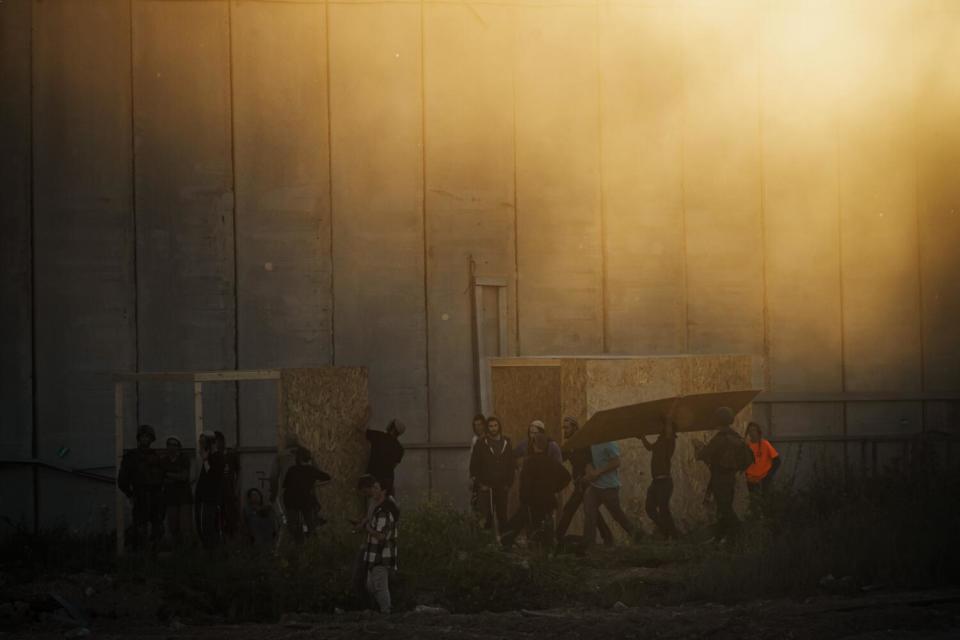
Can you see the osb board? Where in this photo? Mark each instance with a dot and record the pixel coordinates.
(524, 394)
(322, 406)
(613, 383)
(573, 381)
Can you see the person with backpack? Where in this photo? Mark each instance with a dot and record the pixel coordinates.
(727, 455)
(541, 478)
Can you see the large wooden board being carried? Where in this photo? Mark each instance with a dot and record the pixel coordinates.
(585, 387)
(689, 413)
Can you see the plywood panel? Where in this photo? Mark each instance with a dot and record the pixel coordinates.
(722, 179)
(184, 203)
(377, 209)
(524, 394)
(322, 406)
(558, 181)
(802, 244)
(16, 367)
(468, 90)
(938, 192)
(641, 55)
(83, 221)
(284, 293)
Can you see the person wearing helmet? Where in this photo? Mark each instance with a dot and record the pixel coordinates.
(386, 452)
(141, 480)
(726, 454)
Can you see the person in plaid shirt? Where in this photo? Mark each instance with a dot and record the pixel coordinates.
(380, 553)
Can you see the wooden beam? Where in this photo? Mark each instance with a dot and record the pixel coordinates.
(524, 362)
(197, 410)
(200, 376)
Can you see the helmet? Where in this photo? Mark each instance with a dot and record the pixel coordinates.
(148, 430)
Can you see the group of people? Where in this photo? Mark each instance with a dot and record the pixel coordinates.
(173, 492)
(170, 492)
(174, 495)
(537, 465)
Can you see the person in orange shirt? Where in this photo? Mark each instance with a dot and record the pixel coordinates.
(760, 474)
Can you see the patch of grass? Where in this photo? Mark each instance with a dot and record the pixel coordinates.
(884, 530)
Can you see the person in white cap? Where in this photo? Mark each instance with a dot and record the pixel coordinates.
(537, 427)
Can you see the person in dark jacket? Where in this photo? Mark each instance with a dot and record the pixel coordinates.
(661, 483)
(492, 465)
(141, 479)
(541, 479)
(230, 509)
(579, 459)
(177, 496)
(299, 499)
(208, 498)
(386, 452)
(726, 454)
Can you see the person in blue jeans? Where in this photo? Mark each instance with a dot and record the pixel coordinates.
(603, 488)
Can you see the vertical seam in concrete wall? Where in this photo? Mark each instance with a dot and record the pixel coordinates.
(516, 195)
(683, 176)
(34, 431)
(763, 217)
(603, 208)
(919, 226)
(843, 322)
(133, 218)
(333, 315)
(423, 219)
(236, 248)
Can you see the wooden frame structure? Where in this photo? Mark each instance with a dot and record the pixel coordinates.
(198, 378)
(483, 371)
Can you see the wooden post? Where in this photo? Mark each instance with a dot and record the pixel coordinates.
(197, 410)
(118, 444)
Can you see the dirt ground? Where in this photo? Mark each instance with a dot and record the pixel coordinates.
(932, 614)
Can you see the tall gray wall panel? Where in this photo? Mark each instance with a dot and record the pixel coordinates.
(377, 165)
(938, 189)
(722, 180)
(878, 190)
(469, 193)
(83, 221)
(801, 224)
(641, 67)
(16, 366)
(284, 294)
(560, 275)
(184, 206)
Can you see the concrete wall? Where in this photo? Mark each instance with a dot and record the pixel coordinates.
(201, 184)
